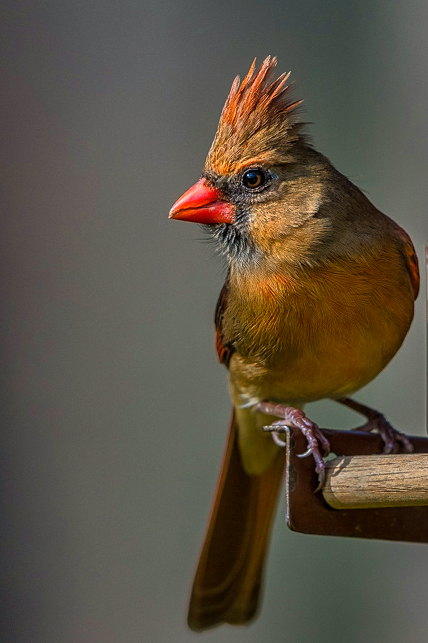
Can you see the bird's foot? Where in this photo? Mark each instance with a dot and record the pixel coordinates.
(376, 421)
(295, 418)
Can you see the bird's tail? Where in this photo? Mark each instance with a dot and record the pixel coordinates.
(228, 578)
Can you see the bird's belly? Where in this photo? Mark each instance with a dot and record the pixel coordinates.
(323, 362)
(330, 373)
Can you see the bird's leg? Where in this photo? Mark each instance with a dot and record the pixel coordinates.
(376, 421)
(295, 418)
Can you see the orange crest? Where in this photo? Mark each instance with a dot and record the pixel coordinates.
(257, 121)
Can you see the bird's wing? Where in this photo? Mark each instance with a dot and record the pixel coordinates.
(224, 349)
(411, 259)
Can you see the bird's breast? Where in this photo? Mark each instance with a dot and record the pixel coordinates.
(324, 332)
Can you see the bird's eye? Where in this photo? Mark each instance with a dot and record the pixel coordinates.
(255, 178)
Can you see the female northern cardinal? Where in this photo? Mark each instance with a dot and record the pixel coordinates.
(318, 298)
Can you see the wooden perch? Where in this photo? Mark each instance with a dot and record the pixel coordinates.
(357, 482)
(309, 513)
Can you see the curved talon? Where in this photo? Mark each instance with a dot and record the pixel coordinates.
(306, 453)
(277, 439)
(321, 483)
(275, 432)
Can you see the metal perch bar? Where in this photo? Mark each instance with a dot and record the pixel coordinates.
(308, 512)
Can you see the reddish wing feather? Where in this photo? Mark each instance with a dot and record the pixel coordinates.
(412, 260)
(224, 350)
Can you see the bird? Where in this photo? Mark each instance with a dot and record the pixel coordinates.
(319, 296)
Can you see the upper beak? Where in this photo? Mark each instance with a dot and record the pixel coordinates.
(202, 204)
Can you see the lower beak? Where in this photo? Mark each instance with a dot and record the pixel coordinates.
(202, 204)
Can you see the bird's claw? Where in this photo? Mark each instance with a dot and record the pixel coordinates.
(392, 438)
(295, 418)
(276, 438)
(306, 453)
(376, 421)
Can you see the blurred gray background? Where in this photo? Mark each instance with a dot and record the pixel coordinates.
(114, 409)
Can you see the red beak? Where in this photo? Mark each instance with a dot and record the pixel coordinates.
(202, 204)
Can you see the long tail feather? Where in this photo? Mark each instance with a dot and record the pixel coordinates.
(228, 578)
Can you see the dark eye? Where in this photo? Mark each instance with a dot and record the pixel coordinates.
(255, 178)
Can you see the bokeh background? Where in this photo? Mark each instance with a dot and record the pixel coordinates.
(114, 409)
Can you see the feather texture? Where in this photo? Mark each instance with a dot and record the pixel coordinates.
(318, 298)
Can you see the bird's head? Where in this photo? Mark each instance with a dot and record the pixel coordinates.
(261, 187)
